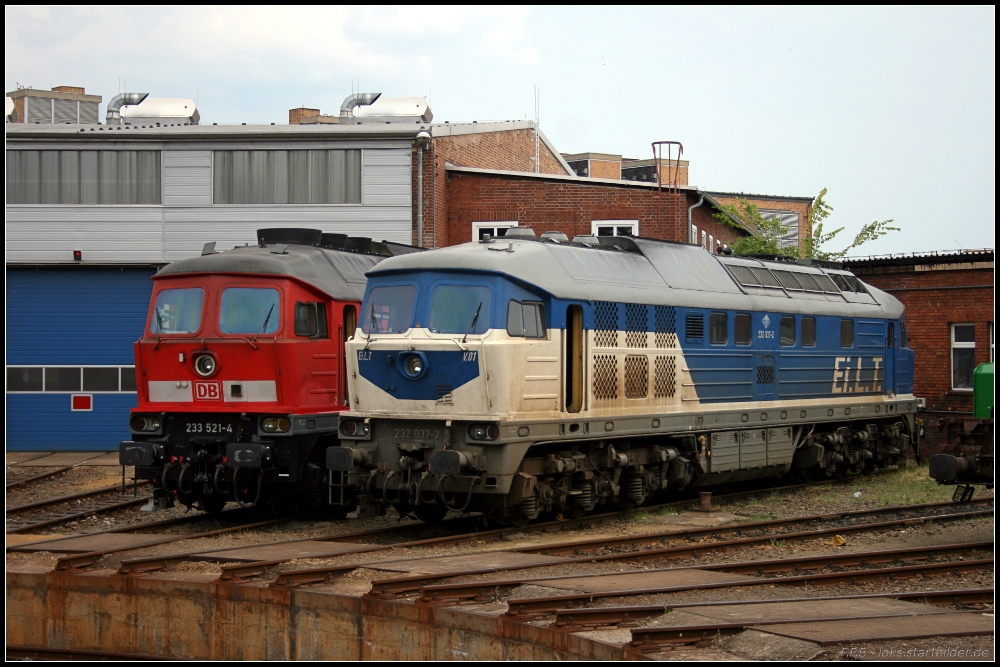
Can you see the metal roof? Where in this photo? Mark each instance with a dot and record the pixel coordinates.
(337, 273)
(636, 270)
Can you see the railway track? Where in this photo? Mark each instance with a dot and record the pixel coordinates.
(44, 513)
(466, 527)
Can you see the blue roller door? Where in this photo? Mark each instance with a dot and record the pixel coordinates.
(70, 332)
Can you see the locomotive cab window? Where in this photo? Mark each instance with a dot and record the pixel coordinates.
(389, 310)
(249, 310)
(786, 331)
(177, 311)
(525, 320)
(459, 309)
(808, 332)
(310, 319)
(847, 333)
(741, 326)
(903, 340)
(718, 329)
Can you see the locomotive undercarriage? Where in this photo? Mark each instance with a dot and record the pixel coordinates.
(517, 482)
(231, 464)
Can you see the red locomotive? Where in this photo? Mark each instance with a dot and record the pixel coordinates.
(241, 371)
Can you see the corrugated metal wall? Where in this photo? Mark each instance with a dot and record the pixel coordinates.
(188, 219)
(72, 316)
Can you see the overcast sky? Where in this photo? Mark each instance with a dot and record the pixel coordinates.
(891, 109)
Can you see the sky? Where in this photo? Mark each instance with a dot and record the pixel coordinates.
(891, 109)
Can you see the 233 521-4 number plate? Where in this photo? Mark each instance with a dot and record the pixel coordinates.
(209, 428)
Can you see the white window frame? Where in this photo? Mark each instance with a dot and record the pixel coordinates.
(962, 346)
(694, 234)
(595, 224)
(491, 224)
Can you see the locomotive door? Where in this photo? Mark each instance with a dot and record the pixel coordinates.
(890, 360)
(347, 332)
(573, 359)
(764, 344)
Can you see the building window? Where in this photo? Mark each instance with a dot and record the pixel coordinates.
(704, 239)
(963, 355)
(480, 230)
(614, 227)
(694, 234)
(287, 177)
(83, 177)
(69, 379)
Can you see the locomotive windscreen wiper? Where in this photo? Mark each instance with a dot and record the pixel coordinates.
(267, 319)
(472, 327)
(373, 325)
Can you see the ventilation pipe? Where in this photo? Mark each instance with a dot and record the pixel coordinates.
(114, 116)
(356, 100)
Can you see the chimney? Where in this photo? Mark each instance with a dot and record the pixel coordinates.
(69, 89)
(295, 116)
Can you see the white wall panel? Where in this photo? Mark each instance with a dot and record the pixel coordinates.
(188, 229)
(187, 178)
(46, 234)
(386, 178)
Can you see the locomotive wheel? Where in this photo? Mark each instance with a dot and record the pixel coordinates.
(430, 513)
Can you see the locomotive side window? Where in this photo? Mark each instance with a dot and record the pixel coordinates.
(808, 332)
(786, 331)
(177, 311)
(525, 320)
(310, 319)
(718, 328)
(459, 309)
(903, 340)
(249, 310)
(389, 309)
(847, 333)
(741, 325)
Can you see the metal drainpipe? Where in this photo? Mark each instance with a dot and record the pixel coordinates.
(420, 195)
(691, 208)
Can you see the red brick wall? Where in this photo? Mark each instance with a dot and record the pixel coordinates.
(937, 295)
(509, 150)
(569, 207)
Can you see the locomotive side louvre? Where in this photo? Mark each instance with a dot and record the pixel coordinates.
(241, 370)
(592, 350)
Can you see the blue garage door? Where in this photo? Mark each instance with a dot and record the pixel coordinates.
(70, 364)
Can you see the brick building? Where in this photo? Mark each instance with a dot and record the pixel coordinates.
(480, 201)
(949, 319)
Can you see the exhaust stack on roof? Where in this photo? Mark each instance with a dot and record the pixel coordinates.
(114, 113)
(356, 100)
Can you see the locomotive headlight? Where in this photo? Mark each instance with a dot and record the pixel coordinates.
(414, 365)
(205, 365)
(275, 424)
(146, 423)
(353, 428)
(484, 431)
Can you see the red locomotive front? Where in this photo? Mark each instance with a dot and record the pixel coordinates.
(240, 370)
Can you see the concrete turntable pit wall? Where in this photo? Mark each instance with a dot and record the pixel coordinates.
(193, 615)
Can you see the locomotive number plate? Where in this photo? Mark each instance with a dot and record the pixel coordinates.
(208, 428)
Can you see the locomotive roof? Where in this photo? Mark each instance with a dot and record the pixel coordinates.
(638, 270)
(339, 274)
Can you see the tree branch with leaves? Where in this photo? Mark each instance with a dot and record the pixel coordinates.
(767, 232)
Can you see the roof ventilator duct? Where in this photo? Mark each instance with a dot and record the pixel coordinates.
(114, 115)
(356, 100)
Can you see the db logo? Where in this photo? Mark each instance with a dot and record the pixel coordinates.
(208, 391)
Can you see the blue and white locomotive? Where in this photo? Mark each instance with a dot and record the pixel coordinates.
(522, 375)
